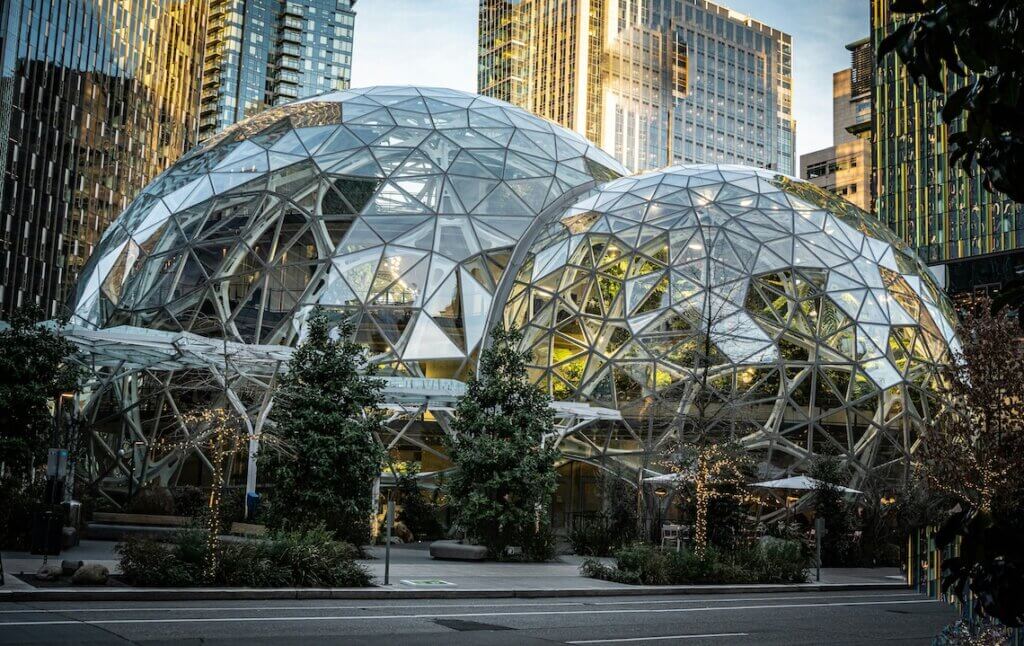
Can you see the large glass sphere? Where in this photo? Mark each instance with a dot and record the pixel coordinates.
(730, 287)
(397, 207)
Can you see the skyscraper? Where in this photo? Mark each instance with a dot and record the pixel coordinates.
(261, 53)
(96, 99)
(974, 238)
(651, 81)
(845, 166)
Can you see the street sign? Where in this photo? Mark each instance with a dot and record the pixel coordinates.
(57, 463)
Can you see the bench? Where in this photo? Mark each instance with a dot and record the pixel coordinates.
(156, 520)
(457, 551)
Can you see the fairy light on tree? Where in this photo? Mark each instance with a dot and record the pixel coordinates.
(221, 433)
(973, 452)
(717, 470)
(714, 410)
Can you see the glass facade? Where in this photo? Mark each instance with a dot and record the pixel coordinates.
(806, 318)
(651, 81)
(944, 214)
(96, 99)
(845, 167)
(262, 53)
(426, 216)
(395, 207)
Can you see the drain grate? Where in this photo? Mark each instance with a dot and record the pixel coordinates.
(466, 626)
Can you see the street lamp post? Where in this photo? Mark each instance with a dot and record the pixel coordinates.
(389, 522)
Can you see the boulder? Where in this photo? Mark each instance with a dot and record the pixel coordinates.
(67, 568)
(48, 572)
(91, 574)
(152, 499)
(457, 551)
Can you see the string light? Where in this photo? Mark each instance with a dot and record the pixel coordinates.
(222, 433)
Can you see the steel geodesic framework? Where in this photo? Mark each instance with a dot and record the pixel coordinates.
(395, 206)
(426, 215)
(790, 304)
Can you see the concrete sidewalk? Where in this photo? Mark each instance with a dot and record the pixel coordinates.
(414, 575)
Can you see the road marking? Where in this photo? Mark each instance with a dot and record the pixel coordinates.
(369, 606)
(651, 639)
(626, 611)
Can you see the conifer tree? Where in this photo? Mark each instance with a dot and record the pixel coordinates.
(326, 418)
(504, 478)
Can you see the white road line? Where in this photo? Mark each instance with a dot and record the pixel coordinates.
(627, 611)
(652, 639)
(371, 606)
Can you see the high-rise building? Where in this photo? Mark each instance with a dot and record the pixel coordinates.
(845, 166)
(96, 99)
(651, 81)
(973, 238)
(262, 53)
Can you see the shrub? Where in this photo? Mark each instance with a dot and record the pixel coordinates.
(597, 570)
(19, 499)
(249, 565)
(776, 561)
(591, 538)
(312, 558)
(147, 563)
(188, 500)
(646, 561)
(153, 498)
(295, 559)
(418, 513)
(771, 562)
(538, 544)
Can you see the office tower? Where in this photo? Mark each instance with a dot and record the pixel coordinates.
(845, 166)
(651, 81)
(262, 53)
(96, 99)
(973, 238)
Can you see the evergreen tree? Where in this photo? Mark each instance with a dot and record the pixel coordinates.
(326, 420)
(504, 480)
(33, 373)
(829, 504)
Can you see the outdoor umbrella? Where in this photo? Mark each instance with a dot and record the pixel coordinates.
(799, 483)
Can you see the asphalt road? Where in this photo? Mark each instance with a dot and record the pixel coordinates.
(832, 618)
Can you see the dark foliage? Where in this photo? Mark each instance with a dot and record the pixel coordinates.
(982, 41)
(18, 499)
(975, 455)
(326, 419)
(189, 500)
(989, 569)
(837, 547)
(503, 482)
(309, 558)
(773, 561)
(152, 499)
(615, 526)
(417, 512)
(33, 373)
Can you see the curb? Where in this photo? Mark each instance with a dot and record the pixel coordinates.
(377, 593)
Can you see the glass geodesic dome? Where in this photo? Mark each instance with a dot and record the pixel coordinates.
(397, 207)
(799, 312)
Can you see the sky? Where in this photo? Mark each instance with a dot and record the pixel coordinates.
(433, 42)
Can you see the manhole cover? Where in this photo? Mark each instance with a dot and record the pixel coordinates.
(426, 582)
